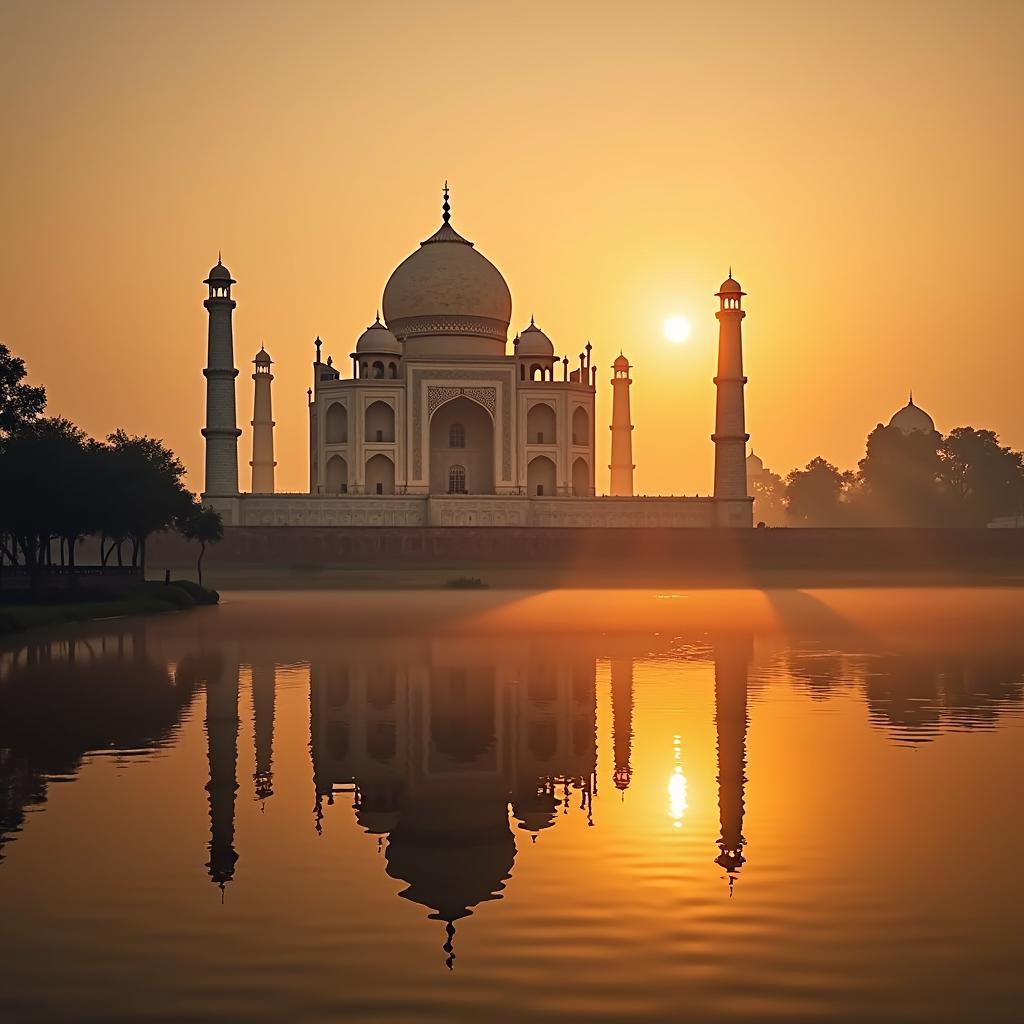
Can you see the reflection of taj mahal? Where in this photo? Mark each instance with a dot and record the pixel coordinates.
(439, 425)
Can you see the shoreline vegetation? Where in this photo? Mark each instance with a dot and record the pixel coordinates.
(24, 610)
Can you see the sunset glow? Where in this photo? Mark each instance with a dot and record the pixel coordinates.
(677, 329)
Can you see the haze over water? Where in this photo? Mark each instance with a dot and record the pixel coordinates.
(505, 806)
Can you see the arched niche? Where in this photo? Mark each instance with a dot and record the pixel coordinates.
(380, 475)
(477, 454)
(540, 424)
(540, 477)
(580, 426)
(337, 475)
(380, 422)
(336, 426)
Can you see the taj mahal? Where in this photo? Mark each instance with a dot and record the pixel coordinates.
(437, 423)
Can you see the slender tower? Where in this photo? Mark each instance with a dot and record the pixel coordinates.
(221, 432)
(622, 431)
(730, 436)
(262, 426)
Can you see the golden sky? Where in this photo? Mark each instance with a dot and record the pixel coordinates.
(858, 164)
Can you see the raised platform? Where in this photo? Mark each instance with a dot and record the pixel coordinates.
(476, 510)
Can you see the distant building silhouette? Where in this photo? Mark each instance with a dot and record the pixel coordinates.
(221, 430)
(262, 426)
(622, 430)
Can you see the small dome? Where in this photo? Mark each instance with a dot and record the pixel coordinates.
(730, 287)
(534, 342)
(263, 357)
(621, 362)
(755, 464)
(377, 339)
(219, 273)
(911, 419)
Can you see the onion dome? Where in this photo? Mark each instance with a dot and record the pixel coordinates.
(911, 419)
(755, 464)
(263, 357)
(621, 362)
(534, 342)
(448, 288)
(219, 273)
(378, 340)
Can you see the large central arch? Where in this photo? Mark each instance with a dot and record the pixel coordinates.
(472, 446)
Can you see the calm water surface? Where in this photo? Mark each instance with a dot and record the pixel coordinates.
(717, 806)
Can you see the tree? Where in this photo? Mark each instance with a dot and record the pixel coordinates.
(980, 478)
(146, 477)
(815, 496)
(50, 489)
(19, 403)
(899, 477)
(203, 524)
(768, 490)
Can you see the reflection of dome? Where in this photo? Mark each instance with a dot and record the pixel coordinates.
(534, 342)
(910, 419)
(535, 809)
(447, 288)
(377, 339)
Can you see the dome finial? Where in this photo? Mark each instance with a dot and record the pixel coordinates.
(911, 396)
(219, 264)
(378, 316)
(730, 270)
(446, 209)
(531, 321)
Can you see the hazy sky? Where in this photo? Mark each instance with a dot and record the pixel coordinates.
(858, 164)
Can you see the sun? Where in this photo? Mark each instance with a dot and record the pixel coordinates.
(677, 329)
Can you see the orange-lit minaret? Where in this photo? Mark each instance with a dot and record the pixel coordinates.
(622, 431)
(734, 508)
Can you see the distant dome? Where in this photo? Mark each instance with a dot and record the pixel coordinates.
(219, 273)
(447, 288)
(730, 287)
(377, 340)
(534, 342)
(621, 362)
(755, 464)
(911, 419)
(263, 357)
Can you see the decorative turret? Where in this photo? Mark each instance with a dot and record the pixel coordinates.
(221, 431)
(622, 431)
(262, 426)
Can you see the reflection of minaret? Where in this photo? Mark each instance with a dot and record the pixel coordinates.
(732, 658)
(263, 686)
(222, 745)
(622, 720)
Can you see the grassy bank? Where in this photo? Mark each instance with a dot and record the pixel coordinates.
(21, 610)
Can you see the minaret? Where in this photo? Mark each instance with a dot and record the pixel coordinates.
(221, 432)
(222, 750)
(622, 431)
(622, 721)
(262, 426)
(732, 660)
(730, 434)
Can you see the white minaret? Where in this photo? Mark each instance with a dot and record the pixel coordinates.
(730, 434)
(262, 427)
(221, 432)
(622, 431)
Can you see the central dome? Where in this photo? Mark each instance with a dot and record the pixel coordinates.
(450, 296)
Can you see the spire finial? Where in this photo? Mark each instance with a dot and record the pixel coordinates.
(378, 317)
(531, 320)
(730, 270)
(219, 264)
(911, 396)
(446, 209)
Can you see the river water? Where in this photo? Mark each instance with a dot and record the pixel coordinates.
(504, 806)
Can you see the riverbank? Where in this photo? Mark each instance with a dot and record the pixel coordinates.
(21, 610)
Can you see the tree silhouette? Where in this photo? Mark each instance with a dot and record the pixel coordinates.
(816, 495)
(19, 403)
(899, 477)
(200, 523)
(981, 478)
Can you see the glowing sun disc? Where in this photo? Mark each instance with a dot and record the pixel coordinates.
(677, 329)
